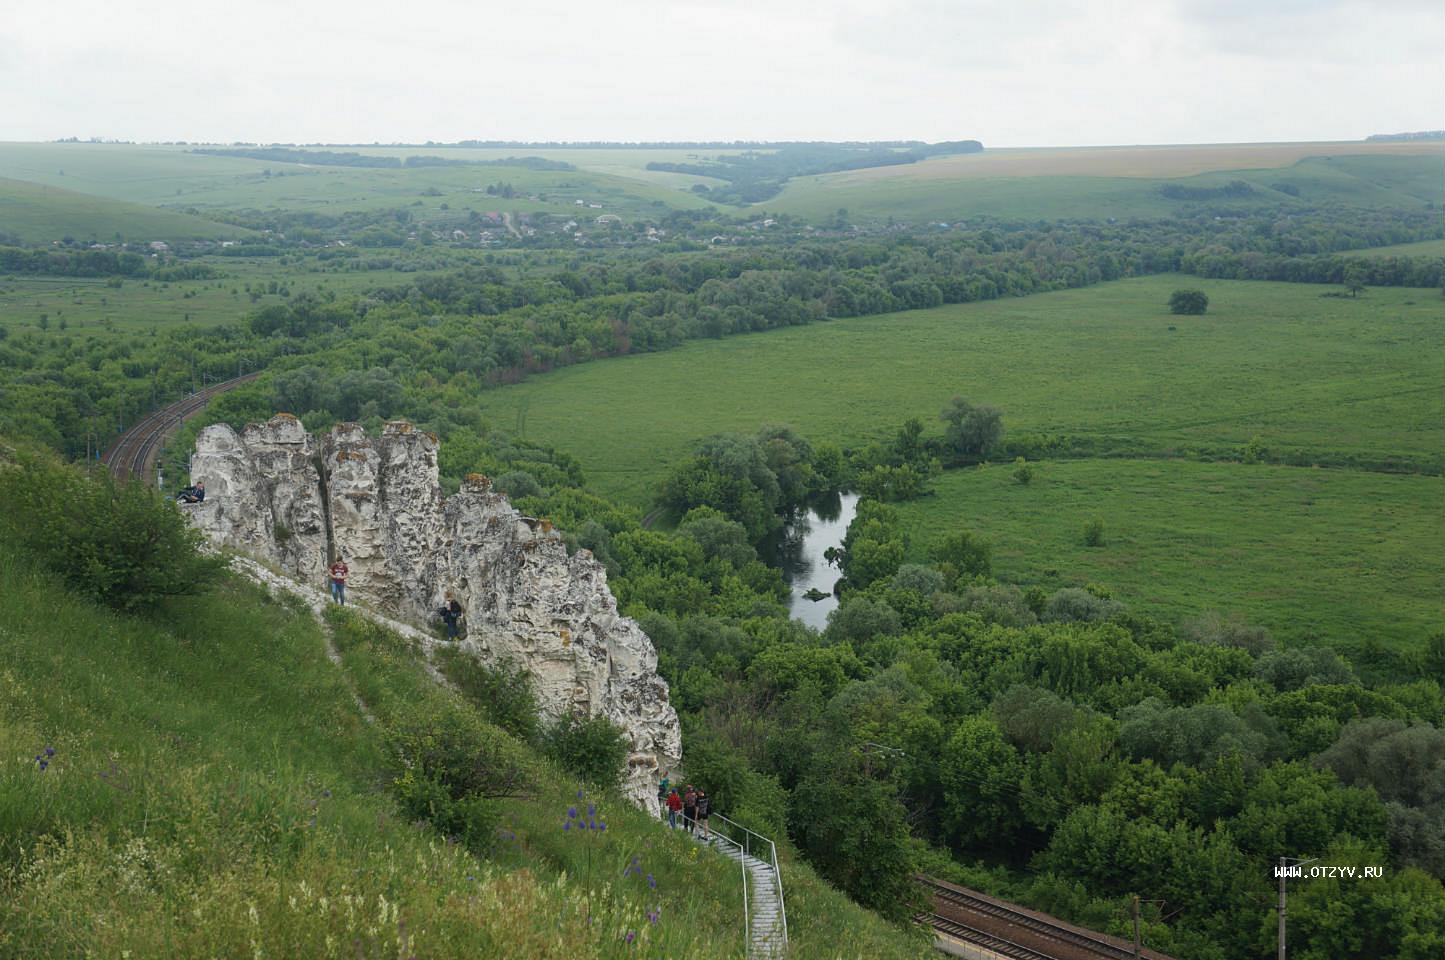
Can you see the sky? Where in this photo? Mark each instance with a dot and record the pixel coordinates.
(1011, 73)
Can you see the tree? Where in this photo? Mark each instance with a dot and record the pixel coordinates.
(1355, 278)
(1188, 302)
(972, 431)
(963, 555)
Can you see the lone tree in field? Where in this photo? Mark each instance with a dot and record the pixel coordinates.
(1354, 279)
(972, 431)
(1188, 302)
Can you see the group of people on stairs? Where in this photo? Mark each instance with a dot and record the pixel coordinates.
(692, 803)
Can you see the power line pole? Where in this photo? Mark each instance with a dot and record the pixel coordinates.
(1283, 871)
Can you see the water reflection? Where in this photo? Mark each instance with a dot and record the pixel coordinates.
(799, 554)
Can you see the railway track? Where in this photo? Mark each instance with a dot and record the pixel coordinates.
(1012, 931)
(134, 452)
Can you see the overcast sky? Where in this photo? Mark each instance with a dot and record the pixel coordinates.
(1009, 73)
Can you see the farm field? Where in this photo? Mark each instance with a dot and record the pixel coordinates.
(1301, 372)
(1313, 554)
(35, 213)
(1027, 187)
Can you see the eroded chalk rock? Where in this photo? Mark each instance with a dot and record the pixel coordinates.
(279, 494)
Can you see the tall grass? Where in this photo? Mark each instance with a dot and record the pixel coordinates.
(211, 788)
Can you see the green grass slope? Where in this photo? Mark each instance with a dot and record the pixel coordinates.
(1312, 554)
(39, 214)
(1407, 182)
(204, 784)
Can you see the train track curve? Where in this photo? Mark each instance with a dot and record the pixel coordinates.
(1003, 929)
(134, 452)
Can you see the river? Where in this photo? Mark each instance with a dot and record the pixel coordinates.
(799, 554)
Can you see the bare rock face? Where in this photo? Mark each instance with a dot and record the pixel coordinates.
(378, 503)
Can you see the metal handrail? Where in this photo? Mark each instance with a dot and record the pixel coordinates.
(742, 865)
(773, 853)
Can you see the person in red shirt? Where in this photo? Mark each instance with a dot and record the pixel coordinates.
(674, 804)
(338, 581)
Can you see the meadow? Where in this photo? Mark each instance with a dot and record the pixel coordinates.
(39, 214)
(1312, 554)
(1305, 374)
(1425, 248)
(140, 305)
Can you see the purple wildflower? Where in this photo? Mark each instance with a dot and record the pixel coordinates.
(630, 937)
(591, 810)
(50, 751)
(602, 827)
(651, 882)
(571, 813)
(579, 794)
(566, 825)
(653, 915)
(43, 762)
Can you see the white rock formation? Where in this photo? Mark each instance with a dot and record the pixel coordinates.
(288, 499)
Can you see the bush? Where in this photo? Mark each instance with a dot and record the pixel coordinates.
(453, 767)
(1216, 629)
(592, 748)
(1094, 533)
(502, 692)
(1188, 302)
(1023, 472)
(1072, 604)
(964, 555)
(122, 544)
(517, 484)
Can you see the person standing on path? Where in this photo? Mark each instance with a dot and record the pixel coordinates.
(689, 808)
(338, 581)
(663, 788)
(703, 803)
(674, 804)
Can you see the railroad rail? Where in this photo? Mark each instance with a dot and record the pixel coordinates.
(134, 452)
(1012, 931)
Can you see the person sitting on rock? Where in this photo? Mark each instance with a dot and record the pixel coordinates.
(451, 614)
(193, 494)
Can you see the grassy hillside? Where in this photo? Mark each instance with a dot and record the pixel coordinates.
(1310, 554)
(39, 214)
(203, 784)
(170, 176)
(1273, 360)
(1112, 185)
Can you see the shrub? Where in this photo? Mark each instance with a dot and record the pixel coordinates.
(502, 692)
(964, 555)
(1072, 604)
(1188, 302)
(1023, 472)
(1216, 629)
(592, 748)
(1094, 533)
(122, 544)
(517, 484)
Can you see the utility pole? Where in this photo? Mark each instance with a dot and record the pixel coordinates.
(1283, 872)
(1135, 905)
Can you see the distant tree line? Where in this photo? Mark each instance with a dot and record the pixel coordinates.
(334, 158)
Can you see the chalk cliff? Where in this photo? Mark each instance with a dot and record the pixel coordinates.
(291, 500)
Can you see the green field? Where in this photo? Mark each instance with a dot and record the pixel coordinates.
(170, 176)
(1425, 248)
(1335, 554)
(1270, 360)
(40, 214)
(920, 192)
(89, 303)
